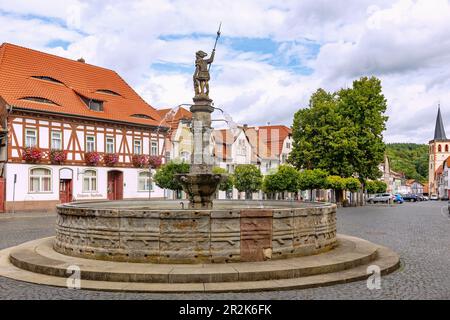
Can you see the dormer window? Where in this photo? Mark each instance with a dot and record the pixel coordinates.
(107, 91)
(39, 100)
(139, 115)
(93, 104)
(46, 78)
(96, 105)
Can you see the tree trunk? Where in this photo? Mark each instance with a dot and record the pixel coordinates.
(338, 196)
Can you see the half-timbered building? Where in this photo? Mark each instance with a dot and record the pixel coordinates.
(72, 131)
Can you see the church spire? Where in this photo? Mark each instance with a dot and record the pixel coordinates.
(439, 131)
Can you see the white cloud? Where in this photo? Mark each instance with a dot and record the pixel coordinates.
(406, 43)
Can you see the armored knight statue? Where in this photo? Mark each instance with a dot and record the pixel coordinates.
(201, 74)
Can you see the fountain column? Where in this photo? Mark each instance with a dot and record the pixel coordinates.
(201, 159)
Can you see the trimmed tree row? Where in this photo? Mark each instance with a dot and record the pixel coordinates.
(247, 178)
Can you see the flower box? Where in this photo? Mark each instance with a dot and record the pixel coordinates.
(154, 162)
(58, 156)
(32, 154)
(140, 160)
(92, 158)
(110, 159)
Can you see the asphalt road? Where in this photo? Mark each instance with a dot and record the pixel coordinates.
(419, 232)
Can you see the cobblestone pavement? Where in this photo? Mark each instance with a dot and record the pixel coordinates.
(419, 232)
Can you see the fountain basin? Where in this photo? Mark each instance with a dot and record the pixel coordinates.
(200, 188)
(163, 232)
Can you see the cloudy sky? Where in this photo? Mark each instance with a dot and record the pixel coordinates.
(272, 54)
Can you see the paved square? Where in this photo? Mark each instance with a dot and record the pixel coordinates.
(419, 232)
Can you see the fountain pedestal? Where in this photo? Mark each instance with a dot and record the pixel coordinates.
(200, 184)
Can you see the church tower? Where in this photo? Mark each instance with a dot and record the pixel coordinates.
(438, 152)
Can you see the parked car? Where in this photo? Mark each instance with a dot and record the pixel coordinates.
(434, 197)
(381, 197)
(410, 197)
(398, 198)
(422, 198)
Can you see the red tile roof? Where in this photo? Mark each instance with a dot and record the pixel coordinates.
(172, 120)
(223, 140)
(18, 66)
(268, 140)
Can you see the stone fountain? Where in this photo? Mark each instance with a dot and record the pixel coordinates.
(200, 184)
(206, 231)
(220, 245)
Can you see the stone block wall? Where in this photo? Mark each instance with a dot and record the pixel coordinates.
(195, 236)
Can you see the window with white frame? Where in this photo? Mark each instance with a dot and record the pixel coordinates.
(144, 181)
(154, 148)
(137, 146)
(90, 143)
(110, 145)
(90, 181)
(30, 138)
(56, 143)
(288, 145)
(40, 180)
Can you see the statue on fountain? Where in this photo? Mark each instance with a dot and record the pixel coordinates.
(201, 74)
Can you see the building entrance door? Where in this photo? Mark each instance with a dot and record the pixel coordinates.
(115, 185)
(65, 190)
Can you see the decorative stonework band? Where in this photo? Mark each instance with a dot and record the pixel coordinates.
(166, 235)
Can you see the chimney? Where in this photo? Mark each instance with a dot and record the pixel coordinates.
(81, 60)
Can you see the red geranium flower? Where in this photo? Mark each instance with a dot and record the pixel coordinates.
(139, 160)
(57, 156)
(92, 158)
(32, 154)
(111, 159)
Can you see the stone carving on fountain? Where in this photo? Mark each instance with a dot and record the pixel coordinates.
(200, 184)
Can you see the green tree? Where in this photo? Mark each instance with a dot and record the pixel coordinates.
(165, 175)
(284, 179)
(352, 184)
(410, 159)
(381, 186)
(371, 187)
(271, 184)
(322, 138)
(226, 185)
(337, 184)
(247, 178)
(312, 179)
(342, 132)
(364, 105)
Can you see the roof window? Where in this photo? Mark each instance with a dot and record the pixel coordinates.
(92, 104)
(140, 115)
(106, 91)
(39, 100)
(46, 78)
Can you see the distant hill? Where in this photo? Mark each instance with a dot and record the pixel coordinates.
(409, 158)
